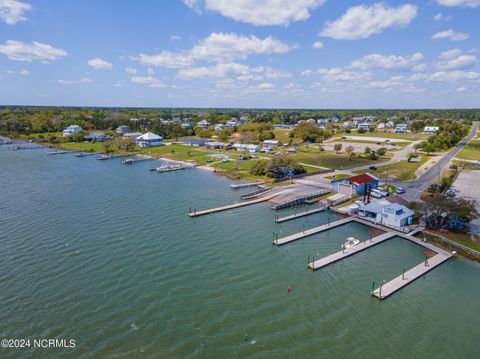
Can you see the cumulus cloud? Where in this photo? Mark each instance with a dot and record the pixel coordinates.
(337, 74)
(259, 12)
(148, 80)
(317, 45)
(392, 62)
(99, 64)
(131, 70)
(74, 82)
(450, 35)
(13, 11)
(461, 3)
(455, 60)
(361, 22)
(217, 47)
(36, 51)
(454, 76)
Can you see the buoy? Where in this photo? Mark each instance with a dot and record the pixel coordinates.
(289, 289)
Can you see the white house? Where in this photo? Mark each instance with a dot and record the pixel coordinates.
(203, 124)
(72, 130)
(381, 126)
(149, 139)
(122, 129)
(245, 147)
(219, 127)
(430, 130)
(274, 143)
(231, 124)
(364, 126)
(389, 124)
(384, 212)
(401, 128)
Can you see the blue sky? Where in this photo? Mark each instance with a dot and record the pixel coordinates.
(240, 53)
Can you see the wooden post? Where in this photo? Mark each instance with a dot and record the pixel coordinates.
(426, 261)
(403, 274)
(303, 229)
(373, 286)
(380, 291)
(308, 261)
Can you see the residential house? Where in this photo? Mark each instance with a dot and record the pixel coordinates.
(194, 142)
(219, 127)
(149, 139)
(122, 129)
(364, 126)
(274, 143)
(381, 126)
(245, 147)
(401, 128)
(430, 130)
(132, 135)
(213, 145)
(96, 137)
(187, 125)
(204, 124)
(72, 130)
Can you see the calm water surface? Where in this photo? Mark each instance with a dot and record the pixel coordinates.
(105, 254)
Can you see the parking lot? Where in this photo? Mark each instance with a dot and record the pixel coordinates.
(467, 186)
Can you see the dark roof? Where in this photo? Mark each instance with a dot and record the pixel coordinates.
(363, 178)
(397, 199)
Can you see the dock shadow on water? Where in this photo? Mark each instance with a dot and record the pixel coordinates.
(106, 254)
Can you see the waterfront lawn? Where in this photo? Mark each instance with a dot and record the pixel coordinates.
(330, 159)
(471, 151)
(402, 170)
(461, 238)
(397, 144)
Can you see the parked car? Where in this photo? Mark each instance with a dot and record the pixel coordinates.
(373, 168)
(400, 190)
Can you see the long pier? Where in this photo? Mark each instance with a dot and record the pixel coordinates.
(409, 276)
(309, 232)
(325, 261)
(301, 199)
(195, 213)
(246, 185)
(308, 212)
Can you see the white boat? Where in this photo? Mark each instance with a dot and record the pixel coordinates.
(168, 167)
(351, 242)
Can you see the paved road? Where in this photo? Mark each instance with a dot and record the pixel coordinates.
(416, 187)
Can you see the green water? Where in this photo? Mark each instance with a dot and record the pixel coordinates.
(105, 254)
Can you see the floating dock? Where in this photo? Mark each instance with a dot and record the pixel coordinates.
(325, 261)
(310, 232)
(300, 199)
(246, 185)
(195, 213)
(409, 276)
(308, 212)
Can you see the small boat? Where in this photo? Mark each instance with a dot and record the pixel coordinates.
(351, 242)
(80, 154)
(128, 161)
(168, 167)
(103, 157)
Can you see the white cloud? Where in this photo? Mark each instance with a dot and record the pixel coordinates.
(219, 70)
(259, 12)
(217, 47)
(336, 74)
(175, 38)
(461, 3)
(360, 22)
(86, 79)
(457, 63)
(166, 59)
(36, 51)
(74, 82)
(12, 11)
(150, 71)
(119, 83)
(450, 54)
(131, 70)
(451, 35)
(24, 72)
(148, 80)
(229, 46)
(454, 76)
(264, 86)
(317, 45)
(99, 64)
(392, 62)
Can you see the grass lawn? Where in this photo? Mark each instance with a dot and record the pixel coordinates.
(398, 144)
(462, 238)
(405, 136)
(329, 159)
(402, 170)
(471, 151)
(283, 136)
(339, 176)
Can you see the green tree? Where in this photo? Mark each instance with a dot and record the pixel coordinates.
(337, 147)
(349, 150)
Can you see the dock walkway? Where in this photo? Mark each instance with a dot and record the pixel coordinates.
(301, 214)
(416, 272)
(309, 232)
(325, 261)
(231, 206)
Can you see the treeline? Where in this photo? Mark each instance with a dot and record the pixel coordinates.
(448, 135)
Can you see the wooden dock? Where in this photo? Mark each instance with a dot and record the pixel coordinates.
(195, 213)
(308, 212)
(409, 276)
(325, 261)
(246, 185)
(309, 232)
